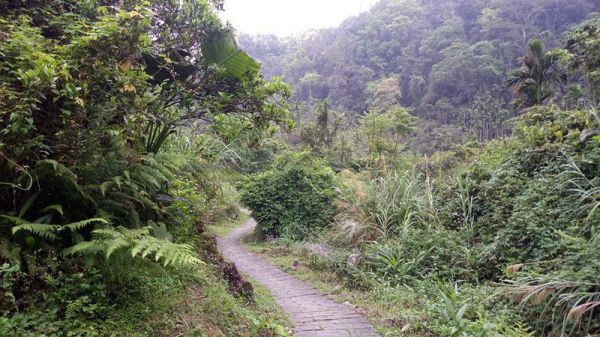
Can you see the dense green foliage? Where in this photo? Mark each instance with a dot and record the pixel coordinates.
(582, 45)
(436, 57)
(294, 198)
(109, 116)
(490, 222)
(125, 125)
(521, 211)
(504, 244)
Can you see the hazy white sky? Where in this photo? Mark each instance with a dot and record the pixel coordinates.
(286, 17)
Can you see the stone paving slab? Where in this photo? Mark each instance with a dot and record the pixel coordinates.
(312, 313)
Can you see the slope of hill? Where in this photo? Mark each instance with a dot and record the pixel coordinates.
(437, 57)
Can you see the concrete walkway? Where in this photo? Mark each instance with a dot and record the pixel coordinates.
(312, 313)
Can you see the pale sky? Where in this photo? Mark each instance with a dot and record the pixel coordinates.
(290, 17)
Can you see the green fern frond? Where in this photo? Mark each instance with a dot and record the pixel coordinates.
(125, 195)
(115, 244)
(138, 233)
(159, 231)
(56, 207)
(143, 178)
(166, 170)
(134, 217)
(163, 175)
(14, 219)
(105, 186)
(42, 230)
(149, 204)
(151, 246)
(137, 249)
(160, 253)
(84, 247)
(60, 170)
(149, 160)
(120, 210)
(114, 181)
(123, 204)
(75, 226)
(142, 243)
(139, 243)
(107, 233)
(118, 181)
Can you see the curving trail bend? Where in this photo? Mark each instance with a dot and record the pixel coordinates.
(312, 313)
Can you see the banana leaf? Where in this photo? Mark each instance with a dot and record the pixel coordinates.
(223, 50)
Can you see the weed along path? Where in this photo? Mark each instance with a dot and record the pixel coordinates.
(312, 313)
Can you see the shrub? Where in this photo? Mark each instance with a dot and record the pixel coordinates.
(420, 253)
(518, 199)
(519, 208)
(562, 296)
(533, 209)
(466, 311)
(294, 198)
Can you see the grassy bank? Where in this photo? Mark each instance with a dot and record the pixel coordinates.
(418, 310)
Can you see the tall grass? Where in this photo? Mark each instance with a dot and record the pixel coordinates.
(428, 211)
(466, 201)
(380, 208)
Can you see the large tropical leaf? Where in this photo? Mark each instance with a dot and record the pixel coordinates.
(223, 50)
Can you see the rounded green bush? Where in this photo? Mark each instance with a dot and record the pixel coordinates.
(292, 199)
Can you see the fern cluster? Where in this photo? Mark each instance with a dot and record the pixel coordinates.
(135, 242)
(109, 207)
(127, 193)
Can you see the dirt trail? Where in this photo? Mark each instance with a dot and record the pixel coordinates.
(312, 313)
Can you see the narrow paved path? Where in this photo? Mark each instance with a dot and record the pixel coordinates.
(311, 312)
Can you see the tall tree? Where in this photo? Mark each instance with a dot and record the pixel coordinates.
(535, 82)
(386, 132)
(320, 135)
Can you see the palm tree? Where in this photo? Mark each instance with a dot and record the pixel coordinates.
(534, 83)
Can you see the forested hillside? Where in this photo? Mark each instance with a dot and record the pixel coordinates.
(444, 59)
